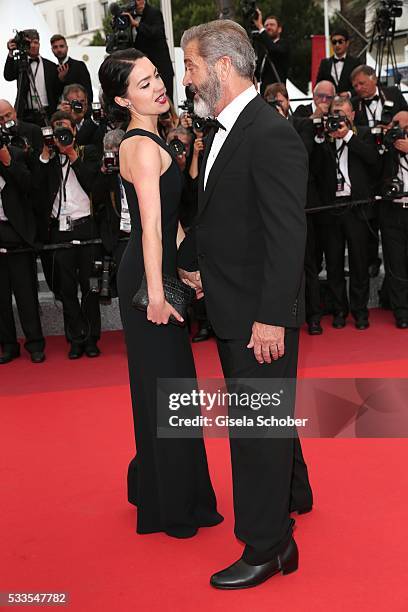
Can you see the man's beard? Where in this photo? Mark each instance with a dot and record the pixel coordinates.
(209, 95)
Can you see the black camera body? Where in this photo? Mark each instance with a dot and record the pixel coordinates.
(76, 106)
(9, 136)
(249, 10)
(121, 38)
(387, 112)
(100, 281)
(393, 188)
(177, 147)
(64, 136)
(334, 122)
(20, 54)
(393, 134)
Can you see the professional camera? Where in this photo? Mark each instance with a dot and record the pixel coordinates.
(121, 38)
(387, 112)
(96, 111)
(23, 47)
(177, 147)
(393, 188)
(76, 106)
(319, 126)
(10, 136)
(334, 122)
(111, 161)
(100, 281)
(249, 10)
(393, 134)
(64, 136)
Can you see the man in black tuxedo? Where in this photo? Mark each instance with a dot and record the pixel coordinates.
(45, 76)
(29, 131)
(272, 51)
(339, 67)
(70, 71)
(88, 130)
(345, 162)
(18, 272)
(249, 238)
(370, 98)
(150, 38)
(323, 96)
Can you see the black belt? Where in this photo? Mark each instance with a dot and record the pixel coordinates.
(74, 222)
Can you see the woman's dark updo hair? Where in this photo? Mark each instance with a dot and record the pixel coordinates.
(114, 78)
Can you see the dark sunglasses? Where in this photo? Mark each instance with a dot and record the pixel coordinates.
(338, 41)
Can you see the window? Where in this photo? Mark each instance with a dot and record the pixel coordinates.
(61, 22)
(83, 18)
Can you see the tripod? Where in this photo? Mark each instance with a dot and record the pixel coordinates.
(24, 70)
(383, 37)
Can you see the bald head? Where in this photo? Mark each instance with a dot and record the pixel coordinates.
(402, 118)
(7, 112)
(323, 95)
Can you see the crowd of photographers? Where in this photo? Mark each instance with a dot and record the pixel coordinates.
(60, 185)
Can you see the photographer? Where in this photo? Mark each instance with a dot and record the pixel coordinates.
(70, 71)
(344, 161)
(74, 100)
(272, 51)
(18, 272)
(323, 96)
(394, 217)
(339, 67)
(374, 105)
(68, 173)
(38, 86)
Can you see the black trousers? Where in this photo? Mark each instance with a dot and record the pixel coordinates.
(82, 320)
(269, 474)
(347, 227)
(312, 295)
(394, 233)
(18, 275)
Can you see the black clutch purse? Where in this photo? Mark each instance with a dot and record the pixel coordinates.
(176, 293)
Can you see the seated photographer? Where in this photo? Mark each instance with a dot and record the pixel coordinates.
(272, 51)
(18, 272)
(70, 71)
(373, 104)
(323, 95)
(344, 160)
(394, 217)
(39, 88)
(68, 173)
(109, 199)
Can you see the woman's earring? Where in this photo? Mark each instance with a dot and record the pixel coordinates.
(129, 104)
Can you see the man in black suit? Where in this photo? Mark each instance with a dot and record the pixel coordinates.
(66, 180)
(31, 132)
(70, 71)
(150, 38)
(370, 98)
(345, 162)
(272, 51)
(18, 273)
(47, 89)
(249, 238)
(339, 67)
(323, 96)
(74, 100)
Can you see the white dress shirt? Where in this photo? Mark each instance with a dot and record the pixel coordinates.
(227, 118)
(374, 110)
(39, 79)
(2, 214)
(77, 203)
(403, 176)
(337, 69)
(346, 192)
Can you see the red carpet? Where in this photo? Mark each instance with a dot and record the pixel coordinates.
(66, 438)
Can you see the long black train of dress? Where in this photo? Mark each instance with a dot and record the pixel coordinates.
(168, 480)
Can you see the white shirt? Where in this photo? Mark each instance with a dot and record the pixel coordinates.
(2, 214)
(374, 110)
(227, 118)
(337, 69)
(39, 79)
(125, 223)
(77, 203)
(344, 165)
(403, 176)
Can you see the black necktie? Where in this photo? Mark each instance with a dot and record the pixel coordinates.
(34, 60)
(367, 101)
(336, 60)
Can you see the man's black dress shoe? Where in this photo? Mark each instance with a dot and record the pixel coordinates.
(6, 357)
(91, 350)
(38, 356)
(402, 323)
(339, 321)
(77, 350)
(362, 323)
(241, 575)
(203, 333)
(314, 328)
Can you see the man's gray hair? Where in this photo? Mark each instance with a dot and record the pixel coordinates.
(222, 38)
(320, 83)
(73, 87)
(112, 139)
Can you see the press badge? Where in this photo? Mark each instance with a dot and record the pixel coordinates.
(65, 223)
(340, 182)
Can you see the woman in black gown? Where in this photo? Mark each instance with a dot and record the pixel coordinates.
(168, 480)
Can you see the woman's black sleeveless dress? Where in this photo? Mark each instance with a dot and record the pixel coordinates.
(168, 480)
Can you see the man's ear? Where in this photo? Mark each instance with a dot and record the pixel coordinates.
(223, 67)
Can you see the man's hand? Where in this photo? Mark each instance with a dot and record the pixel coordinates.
(65, 106)
(401, 145)
(11, 46)
(134, 23)
(69, 151)
(5, 157)
(192, 279)
(186, 121)
(267, 341)
(258, 22)
(198, 146)
(62, 73)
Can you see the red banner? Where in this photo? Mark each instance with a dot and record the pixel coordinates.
(318, 53)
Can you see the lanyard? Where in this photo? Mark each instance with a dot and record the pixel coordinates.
(62, 194)
(373, 114)
(339, 153)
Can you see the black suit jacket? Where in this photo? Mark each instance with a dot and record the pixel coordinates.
(53, 85)
(303, 110)
(325, 69)
(14, 196)
(364, 166)
(386, 93)
(33, 134)
(78, 73)
(251, 228)
(151, 40)
(277, 52)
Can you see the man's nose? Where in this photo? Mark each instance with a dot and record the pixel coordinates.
(186, 80)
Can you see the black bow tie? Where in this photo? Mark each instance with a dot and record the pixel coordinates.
(34, 60)
(336, 60)
(368, 101)
(215, 124)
